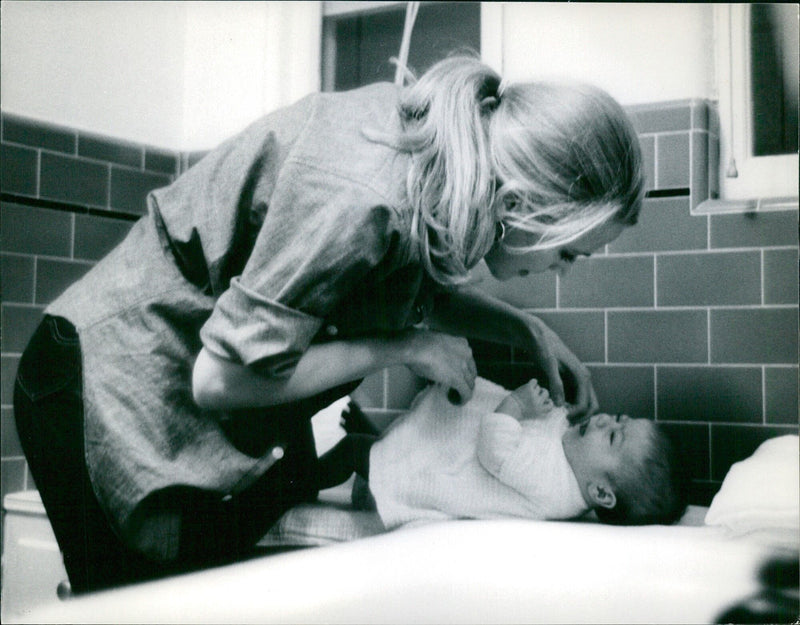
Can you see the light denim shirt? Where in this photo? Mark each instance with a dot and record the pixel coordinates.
(295, 231)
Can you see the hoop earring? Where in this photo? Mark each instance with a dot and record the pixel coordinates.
(499, 231)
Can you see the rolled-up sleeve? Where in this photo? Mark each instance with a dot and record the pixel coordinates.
(321, 236)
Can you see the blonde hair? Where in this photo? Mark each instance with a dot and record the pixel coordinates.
(553, 160)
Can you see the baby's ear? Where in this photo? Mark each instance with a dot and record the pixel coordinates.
(602, 495)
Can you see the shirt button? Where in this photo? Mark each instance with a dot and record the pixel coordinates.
(332, 330)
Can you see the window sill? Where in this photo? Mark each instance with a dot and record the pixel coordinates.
(708, 207)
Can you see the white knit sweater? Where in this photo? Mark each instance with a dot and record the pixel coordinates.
(441, 461)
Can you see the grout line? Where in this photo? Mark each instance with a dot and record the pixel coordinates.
(38, 173)
(385, 378)
(668, 133)
(108, 188)
(655, 162)
(655, 281)
(558, 292)
(661, 309)
(686, 365)
(655, 393)
(35, 274)
(710, 451)
(72, 236)
(695, 251)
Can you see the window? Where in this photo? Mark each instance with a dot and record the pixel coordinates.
(757, 82)
(359, 38)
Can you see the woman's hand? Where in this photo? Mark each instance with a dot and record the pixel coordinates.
(554, 357)
(442, 359)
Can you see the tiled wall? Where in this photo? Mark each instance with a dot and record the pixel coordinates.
(68, 198)
(687, 319)
(691, 320)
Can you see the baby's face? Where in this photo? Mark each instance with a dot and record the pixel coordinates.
(606, 445)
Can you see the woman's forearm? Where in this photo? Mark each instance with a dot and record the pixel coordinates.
(220, 384)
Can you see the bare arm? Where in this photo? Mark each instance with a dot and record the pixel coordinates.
(221, 384)
(468, 312)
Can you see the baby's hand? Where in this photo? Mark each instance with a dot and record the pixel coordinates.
(529, 401)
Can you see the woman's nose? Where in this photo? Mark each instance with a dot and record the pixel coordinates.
(563, 268)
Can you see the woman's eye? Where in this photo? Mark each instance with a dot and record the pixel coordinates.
(568, 256)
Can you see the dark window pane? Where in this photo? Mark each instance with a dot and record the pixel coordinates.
(365, 43)
(774, 76)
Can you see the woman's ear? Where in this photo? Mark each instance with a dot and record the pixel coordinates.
(602, 495)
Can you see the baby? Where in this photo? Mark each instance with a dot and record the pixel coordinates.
(511, 455)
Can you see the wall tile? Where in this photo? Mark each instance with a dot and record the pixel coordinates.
(38, 134)
(510, 376)
(382, 419)
(754, 335)
(18, 323)
(54, 276)
(534, 291)
(694, 444)
(709, 279)
(18, 167)
(657, 336)
(717, 394)
(12, 476)
(370, 393)
(700, 168)
(10, 446)
(780, 392)
(700, 115)
(110, 150)
(8, 373)
(754, 229)
(583, 332)
(402, 387)
(672, 161)
(129, 189)
(96, 236)
(629, 390)
(651, 118)
(732, 443)
(648, 145)
(665, 224)
(780, 277)
(490, 352)
(193, 158)
(73, 180)
(606, 282)
(713, 166)
(16, 278)
(29, 230)
(161, 161)
(701, 493)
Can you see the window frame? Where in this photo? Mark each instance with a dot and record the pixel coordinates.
(763, 182)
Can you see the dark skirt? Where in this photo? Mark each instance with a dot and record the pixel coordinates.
(214, 528)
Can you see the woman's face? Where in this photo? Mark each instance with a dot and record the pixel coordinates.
(504, 265)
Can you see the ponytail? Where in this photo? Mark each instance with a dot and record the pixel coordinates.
(450, 184)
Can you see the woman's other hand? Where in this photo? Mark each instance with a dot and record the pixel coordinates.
(443, 359)
(555, 357)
